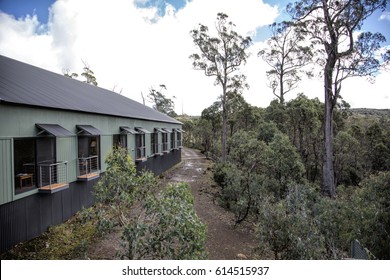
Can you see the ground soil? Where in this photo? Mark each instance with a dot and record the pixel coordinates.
(225, 240)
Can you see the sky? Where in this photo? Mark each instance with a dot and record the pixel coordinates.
(135, 45)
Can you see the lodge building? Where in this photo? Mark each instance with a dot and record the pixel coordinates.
(55, 133)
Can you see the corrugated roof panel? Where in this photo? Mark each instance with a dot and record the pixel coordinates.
(128, 130)
(167, 130)
(142, 130)
(88, 130)
(25, 84)
(54, 129)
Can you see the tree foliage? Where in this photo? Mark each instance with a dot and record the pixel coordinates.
(287, 58)
(167, 228)
(156, 225)
(162, 103)
(331, 26)
(88, 74)
(271, 177)
(221, 57)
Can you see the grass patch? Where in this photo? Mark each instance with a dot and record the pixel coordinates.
(67, 241)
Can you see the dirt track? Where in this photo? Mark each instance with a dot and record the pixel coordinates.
(224, 241)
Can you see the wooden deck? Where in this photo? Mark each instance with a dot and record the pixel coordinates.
(89, 176)
(53, 188)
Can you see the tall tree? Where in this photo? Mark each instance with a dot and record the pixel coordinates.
(162, 103)
(88, 74)
(67, 73)
(221, 57)
(287, 57)
(332, 25)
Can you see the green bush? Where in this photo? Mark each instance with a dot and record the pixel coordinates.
(288, 228)
(119, 188)
(374, 205)
(167, 228)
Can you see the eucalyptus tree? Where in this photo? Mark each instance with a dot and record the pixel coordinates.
(287, 57)
(67, 73)
(88, 74)
(220, 57)
(331, 25)
(162, 103)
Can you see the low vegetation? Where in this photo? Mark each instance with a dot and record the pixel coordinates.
(272, 176)
(155, 222)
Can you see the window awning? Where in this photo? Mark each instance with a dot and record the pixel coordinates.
(167, 130)
(142, 130)
(128, 130)
(159, 130)
(179, 130)
(88, 130)
(53, 130)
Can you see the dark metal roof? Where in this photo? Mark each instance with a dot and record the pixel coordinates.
(24, 84)
(128, 130)
(88, 130)
(167, 130)
(54, 129)
(142, 130)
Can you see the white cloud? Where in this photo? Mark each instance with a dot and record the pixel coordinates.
(132, 48)
(385, 16)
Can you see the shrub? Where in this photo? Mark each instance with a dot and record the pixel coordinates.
(374, 200)
(119, 188)
(167, 228)
(288, 228)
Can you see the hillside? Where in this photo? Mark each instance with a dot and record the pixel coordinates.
(371, 112)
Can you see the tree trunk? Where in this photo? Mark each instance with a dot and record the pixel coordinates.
(328, 183)
(224, 120)
(224, 132)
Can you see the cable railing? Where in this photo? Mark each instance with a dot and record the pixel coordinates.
(53, 175)
(155, 148)
(165, 147)
(140, 153)
(88, 166)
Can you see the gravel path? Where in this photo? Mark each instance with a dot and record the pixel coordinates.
(224, 240)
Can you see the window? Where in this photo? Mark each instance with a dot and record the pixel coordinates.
(172, 140)
(35, 165)
(165, 142)
(88, 157)
(88, 152)
(25, 164)
(140, 154)
(179, 141)
(154, 142)
(120, 140)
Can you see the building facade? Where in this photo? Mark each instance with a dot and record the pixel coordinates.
(55, 133)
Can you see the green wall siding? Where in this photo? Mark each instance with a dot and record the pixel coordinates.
(25, 118)
(106, 143)
(131, 145)
(6, 181)
(66, 147)
(23, 125)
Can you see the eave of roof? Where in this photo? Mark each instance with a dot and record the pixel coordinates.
(24, 84)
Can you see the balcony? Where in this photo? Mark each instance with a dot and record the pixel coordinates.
(165, 148)
(88, 168)
(155, 149)
(140, 154)
(53, 177)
